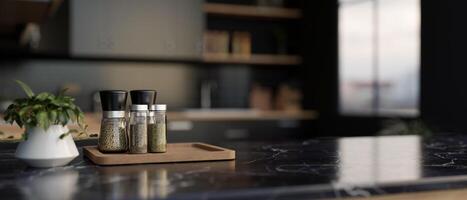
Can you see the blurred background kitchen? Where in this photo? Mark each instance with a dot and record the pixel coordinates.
(247, 69)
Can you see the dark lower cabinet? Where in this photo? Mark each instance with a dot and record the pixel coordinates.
(219, 131)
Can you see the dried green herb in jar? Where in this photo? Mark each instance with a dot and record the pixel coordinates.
(157, 129)
(138, 129)
(157, 138)
(138, 138)
(113, 136)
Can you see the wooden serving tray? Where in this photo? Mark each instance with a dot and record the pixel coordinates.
(176, 152)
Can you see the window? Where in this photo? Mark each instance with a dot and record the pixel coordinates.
(379, 45)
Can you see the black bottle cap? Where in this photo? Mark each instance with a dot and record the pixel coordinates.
(143, 97)
(113, 100)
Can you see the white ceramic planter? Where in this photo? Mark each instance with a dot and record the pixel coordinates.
(46, 149)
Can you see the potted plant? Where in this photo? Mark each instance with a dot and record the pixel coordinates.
(47, 140)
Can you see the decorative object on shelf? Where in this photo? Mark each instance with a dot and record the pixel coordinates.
(241, 44)
(216, 42)
(47, 140)
(260, 97)
(288, 98)
(113, 136)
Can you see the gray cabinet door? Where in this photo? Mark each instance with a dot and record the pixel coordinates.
(137, 29)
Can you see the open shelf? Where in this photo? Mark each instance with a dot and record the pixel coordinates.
(254, 59)
(251, 11)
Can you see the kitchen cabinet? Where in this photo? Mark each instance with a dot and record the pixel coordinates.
(147, 29)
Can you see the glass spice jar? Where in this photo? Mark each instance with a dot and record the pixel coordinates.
(138, 129)
(157, 128)
(113, 137)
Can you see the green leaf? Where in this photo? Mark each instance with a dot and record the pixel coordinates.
(68, 99)
(37, 107)
(63, 118)
(80, 121)
(42, 120)
(25, 88)
(53, 116)
(43, 96)
(80, 115)
(72, 115)
(23, 110)
(64, 135)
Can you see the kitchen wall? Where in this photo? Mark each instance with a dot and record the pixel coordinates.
(176, 83)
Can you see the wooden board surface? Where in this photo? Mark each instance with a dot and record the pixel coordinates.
(176, 152)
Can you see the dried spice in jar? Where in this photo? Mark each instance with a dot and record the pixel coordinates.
(138, 129)
(157, 129)
(113, 137)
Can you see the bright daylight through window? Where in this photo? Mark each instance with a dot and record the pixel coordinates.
(379, 57)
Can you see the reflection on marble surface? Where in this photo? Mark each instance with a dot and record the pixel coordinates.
(46, 186)
(315, 168)
(372, 160)
(153, 180)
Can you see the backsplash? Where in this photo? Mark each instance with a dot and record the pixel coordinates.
(176, 83)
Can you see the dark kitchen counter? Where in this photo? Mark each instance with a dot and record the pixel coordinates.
(318, 168)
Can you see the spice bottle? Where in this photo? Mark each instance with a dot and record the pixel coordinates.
(113, 137)
(157, 129)
(138, 128)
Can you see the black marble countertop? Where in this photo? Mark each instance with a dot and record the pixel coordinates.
(317, 168)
